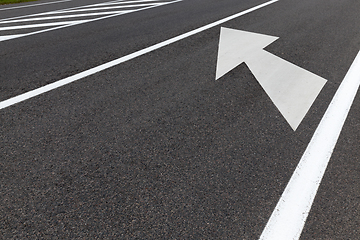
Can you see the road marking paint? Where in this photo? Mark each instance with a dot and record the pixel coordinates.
(60, 83)
(110, 3)
(39, 4)
(8, 37)
(41, 25)
(69, 24)
(65, 16)
(292, 89)
(109, 8)
(289, 216)
(86, 6)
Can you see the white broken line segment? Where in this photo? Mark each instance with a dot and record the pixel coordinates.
(60, 83)
(289, 216)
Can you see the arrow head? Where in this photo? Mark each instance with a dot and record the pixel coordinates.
(236, 46)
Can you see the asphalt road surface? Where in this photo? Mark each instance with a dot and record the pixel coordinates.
(155, 147)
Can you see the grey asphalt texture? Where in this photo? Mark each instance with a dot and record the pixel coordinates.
(155, 148)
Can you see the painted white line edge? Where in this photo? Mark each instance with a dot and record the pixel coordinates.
(289, 216)
(51, 86)
(32, 5)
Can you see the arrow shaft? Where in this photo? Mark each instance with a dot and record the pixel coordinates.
(291, 88)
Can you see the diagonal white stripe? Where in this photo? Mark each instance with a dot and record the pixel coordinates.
(8, 37)
(41, 25)
(122, 2)
(64, 16)
(109, 8)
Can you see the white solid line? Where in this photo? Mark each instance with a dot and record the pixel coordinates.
(289, 216)
(1, 9)
(115, 62)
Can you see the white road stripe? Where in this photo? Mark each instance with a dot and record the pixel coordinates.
(121, 2)
(41, 25)
(289, 216)
(106, 4)
(109, 8)
(30, 15)
(60, 83)
(8, 37)
(32, 5)
(63, 16)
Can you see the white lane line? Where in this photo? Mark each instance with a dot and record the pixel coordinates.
(60, 83)
(32, 5)
(289, 216)
(41, 25)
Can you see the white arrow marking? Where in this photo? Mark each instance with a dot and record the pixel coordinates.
(291, 88)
